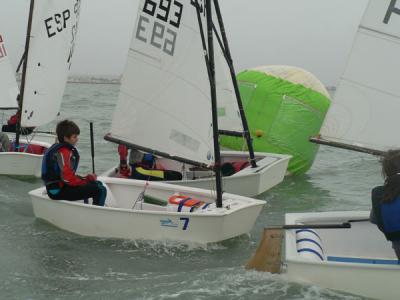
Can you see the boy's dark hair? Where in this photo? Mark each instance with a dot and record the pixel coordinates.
(66, 128)
(391, 173)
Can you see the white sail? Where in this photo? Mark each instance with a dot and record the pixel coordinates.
(8, 83)
(52, 41)
(165, 101)
(228, 110)
(367, 102)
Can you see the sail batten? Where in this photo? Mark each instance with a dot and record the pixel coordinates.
(382, 34)
(367, 102)
(51, 46)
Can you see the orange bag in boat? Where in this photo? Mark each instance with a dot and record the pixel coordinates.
(36, 149)
(29, 148)
(183, 200)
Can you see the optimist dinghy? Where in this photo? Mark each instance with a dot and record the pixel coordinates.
(166, 105)
(363, 117)
(136, 209)
(364, 111)
(47, 60)
(270, 171)
(357, 260)
(152, 211)
(28, 160)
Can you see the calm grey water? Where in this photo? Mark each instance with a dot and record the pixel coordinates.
(39, 261)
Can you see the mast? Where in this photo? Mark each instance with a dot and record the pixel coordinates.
(217, 167)
(229, 61)
(21, 94)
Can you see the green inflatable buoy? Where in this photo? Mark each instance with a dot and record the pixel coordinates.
(284, 106)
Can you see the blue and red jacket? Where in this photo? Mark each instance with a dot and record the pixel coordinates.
(59, 166)
(387, 214)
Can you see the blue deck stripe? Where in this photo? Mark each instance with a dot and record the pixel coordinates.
(311, 241)
(310, 250)
(182, 203)
(358, 260)
(207, 205)
(308, 230)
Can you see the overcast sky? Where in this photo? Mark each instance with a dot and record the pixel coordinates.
(312, 34)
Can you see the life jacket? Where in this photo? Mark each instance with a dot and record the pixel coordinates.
(140, 172)
(387, 214)
(185, 201)
(51, 173)
(146, 169)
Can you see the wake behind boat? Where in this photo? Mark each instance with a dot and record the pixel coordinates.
(152, 211)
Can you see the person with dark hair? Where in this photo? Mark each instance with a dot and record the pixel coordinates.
(4, 142)
(385, 211)
(143, 166)
(59, 166)
(11, 125)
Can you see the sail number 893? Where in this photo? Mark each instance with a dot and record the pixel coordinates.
(158, 32)
(167, 10)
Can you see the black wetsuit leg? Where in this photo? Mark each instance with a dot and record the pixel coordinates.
(93, 190)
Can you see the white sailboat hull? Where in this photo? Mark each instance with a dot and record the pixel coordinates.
(20, 164)
(35, 137)
(358, 260)
(247, 182)
(24, 163)
(148, 221)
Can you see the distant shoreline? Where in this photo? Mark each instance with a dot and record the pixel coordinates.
(92, 79)
(98, 79)
(95, 79)
(117, 80)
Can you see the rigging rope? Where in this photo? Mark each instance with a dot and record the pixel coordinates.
(140, 198)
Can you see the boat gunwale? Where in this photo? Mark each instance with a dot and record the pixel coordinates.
(37, 194)
(291, 255)
(281, 158)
